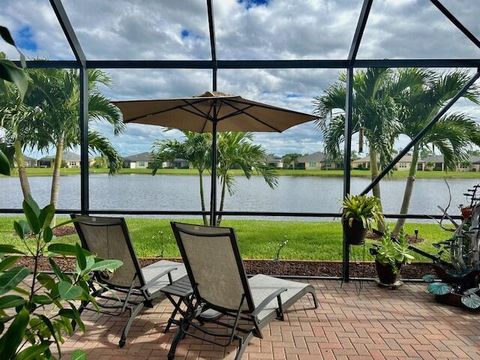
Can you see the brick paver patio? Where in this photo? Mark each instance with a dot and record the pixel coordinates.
(372, 324)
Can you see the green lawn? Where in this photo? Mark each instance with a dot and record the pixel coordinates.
(280, 172)
(257, 239)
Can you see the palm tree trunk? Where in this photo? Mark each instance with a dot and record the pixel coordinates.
(56, 172)
(202, 198)
(374, 171)
(22, 172)
(222, 201)
(407, 195)
(376, 189)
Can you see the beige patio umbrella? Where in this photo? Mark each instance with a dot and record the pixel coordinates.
(212, 112)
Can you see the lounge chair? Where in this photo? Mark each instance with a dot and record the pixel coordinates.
(220, 284)
(130, 287)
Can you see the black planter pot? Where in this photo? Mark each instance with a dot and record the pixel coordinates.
(386, 275)
(354, 233)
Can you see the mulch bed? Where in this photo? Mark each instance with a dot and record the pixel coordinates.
(270, 267)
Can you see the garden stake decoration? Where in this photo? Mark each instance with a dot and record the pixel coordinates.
(460, 274)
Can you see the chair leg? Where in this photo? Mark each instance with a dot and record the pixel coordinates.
(179, 335)
(133, 313)
(243, 343)
(315, 301)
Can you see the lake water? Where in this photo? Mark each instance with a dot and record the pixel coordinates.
(172, 192)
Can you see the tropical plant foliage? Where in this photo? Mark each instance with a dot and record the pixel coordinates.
(392, 252)
(364, 208)
(235, 151)
(9, 72)
(38, 309)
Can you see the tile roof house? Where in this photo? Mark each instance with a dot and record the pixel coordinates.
(69, 160)
(317, 161)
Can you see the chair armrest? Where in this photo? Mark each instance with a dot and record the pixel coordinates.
(267, 300)
(167, 271)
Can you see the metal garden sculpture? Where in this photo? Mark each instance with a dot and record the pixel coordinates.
(457, 263)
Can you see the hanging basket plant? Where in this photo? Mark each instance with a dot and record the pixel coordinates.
(360, 212)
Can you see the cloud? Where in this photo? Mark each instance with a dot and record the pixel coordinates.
(247, 29)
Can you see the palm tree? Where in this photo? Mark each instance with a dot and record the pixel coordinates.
(195, 148)
(235, 150)
(56, 92)
(24, 129)
(291, 160)
(374, 116)
(452, 135)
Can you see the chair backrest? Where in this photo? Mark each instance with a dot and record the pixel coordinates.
(108, 238)
(214, 265)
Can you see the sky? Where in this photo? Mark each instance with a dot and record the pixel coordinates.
(245, 29)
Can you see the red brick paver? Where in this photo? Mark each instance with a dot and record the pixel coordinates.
(373, 324)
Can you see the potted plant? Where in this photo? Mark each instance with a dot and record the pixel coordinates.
(359, 213)
(390, 254)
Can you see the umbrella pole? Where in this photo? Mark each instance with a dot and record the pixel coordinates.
(213, 188)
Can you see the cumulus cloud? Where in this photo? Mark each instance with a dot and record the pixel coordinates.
(248, 29)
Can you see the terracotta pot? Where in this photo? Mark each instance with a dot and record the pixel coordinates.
(386, 274)
(354, 233)
(466, 212)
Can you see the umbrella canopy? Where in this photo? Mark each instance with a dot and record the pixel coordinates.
(212, 112)
(232, 113)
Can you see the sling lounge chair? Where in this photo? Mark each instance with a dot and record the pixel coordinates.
(220, 284)
(130, 287)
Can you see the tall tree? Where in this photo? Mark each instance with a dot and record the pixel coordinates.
(195, 148)
(57, 93)
(453, 135)
(236, 151)
(374, 116)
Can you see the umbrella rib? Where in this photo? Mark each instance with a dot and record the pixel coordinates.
(159, 112)
(203, 114)
(235, 113)
(266, 106)
(255, 118)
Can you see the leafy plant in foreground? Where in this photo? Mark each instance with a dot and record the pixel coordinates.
(391, 252)
(38, 309)
(363, 208)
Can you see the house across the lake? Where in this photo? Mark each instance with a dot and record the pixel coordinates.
(317, 161)
(29, 162)
(138, 161)
(274, 161)
(69, 160)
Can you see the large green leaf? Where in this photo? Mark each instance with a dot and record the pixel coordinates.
(74, 315)
(65, 249)
(57, 270)
(81, 259)
(47, 234)
(31, 215)
(439, 288)
(78, 355)
(11, 301)
(11, 278)
(9, 249)
(4, 164)
(21, 228)
(106, 265)
(68, 291)
(471, 301)
(33, 352)
(51, 328)
(12, 73)
(6, 36)
(8, 262)
(46, 281)
(46, 215)
(13, 337)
